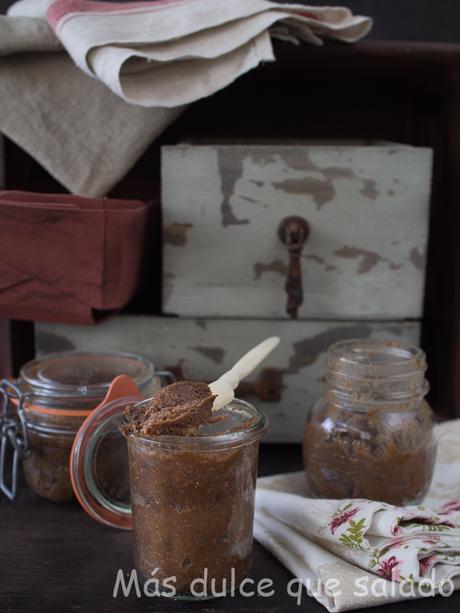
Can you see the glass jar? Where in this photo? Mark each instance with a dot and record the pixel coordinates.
(53, 396)
(192, 501)
(371, 434)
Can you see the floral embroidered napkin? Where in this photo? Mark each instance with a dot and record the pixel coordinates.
(353, 554)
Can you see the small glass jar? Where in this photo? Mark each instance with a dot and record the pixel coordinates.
(192, 501)
(53, 396)
(371, 434)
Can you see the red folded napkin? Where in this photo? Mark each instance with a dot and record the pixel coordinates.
(68, 259)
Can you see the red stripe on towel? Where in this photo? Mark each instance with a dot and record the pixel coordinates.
(307, 15)
(61, 8)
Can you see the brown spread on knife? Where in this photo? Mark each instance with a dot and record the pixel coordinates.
(178, 409)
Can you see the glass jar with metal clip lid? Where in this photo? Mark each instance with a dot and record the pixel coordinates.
(44, 409)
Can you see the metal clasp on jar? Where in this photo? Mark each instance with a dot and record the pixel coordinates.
(13, 435)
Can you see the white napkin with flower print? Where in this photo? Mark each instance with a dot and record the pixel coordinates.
(352, 554)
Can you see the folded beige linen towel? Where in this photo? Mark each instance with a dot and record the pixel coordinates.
(73, 116)
(352, 554)
(173, 52)
(80, 132)
(85, 136)
(26, 34)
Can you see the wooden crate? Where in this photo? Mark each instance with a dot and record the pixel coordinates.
(367, 207)
(205, 348)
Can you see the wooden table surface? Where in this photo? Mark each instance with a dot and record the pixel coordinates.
(56, 558)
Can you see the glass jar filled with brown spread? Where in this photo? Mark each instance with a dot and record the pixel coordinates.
(52, 398)
(192, 499)
(371, 434)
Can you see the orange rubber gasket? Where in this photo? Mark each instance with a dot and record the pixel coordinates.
(63, 412)
(122, 387)
(35, 408)
(88, 503)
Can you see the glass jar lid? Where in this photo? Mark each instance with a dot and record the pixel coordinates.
(82, 375)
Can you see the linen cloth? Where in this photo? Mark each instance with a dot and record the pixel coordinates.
(65, 82)
(173, 52)
(80, 132)
(377, 553)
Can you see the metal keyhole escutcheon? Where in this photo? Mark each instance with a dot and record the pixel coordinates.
(293, 232)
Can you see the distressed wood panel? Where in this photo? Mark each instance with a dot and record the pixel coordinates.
(206, 348)
(368, 212)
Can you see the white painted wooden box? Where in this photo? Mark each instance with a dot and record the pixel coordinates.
(207, 347)
(225, 268)
(367, 207)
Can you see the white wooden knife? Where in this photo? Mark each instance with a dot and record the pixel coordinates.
(224, 387)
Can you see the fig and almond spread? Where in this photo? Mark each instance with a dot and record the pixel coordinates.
(46, 469)
(177, 409)
(192, 502)
(378, 454)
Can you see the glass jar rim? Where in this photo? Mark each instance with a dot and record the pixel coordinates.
(226, 440)
(376, 370)
(41, 388)
(388, 358)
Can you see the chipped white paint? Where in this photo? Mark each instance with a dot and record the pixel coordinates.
(206, 348)
(368, 212)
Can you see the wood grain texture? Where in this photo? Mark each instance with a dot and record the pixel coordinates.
(5, 333)
(6, 369)
(453, 379)
(207, 348)
(367, 208)
(16, 338)
(55, 558)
